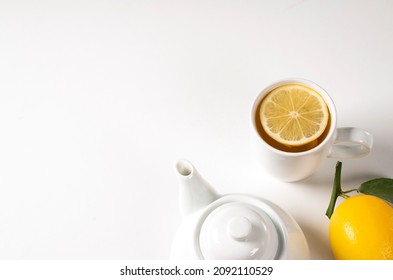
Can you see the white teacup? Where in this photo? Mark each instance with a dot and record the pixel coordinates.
(340, 143)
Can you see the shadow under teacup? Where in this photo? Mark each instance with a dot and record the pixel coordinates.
(296, 163)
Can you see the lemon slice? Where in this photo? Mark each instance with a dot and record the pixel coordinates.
(294, 115)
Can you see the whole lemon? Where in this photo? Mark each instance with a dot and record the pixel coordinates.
(361, 227)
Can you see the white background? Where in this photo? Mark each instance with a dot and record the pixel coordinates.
(99, 99)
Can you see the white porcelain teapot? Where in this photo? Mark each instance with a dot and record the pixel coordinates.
(232, 226)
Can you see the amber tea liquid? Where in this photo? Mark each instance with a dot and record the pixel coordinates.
(282, 147)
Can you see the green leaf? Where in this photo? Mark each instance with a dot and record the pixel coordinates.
(380, 187)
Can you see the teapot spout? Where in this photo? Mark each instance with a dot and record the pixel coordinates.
(195, 192)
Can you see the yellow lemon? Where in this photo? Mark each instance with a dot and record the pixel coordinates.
(361, 227)
(294, 115)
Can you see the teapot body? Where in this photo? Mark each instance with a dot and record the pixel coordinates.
(239, 226)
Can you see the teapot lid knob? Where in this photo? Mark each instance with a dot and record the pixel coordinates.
(239, 227)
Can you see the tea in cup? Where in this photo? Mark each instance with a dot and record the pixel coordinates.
(294, 126)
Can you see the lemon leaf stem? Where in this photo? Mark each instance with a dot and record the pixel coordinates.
(337, 191)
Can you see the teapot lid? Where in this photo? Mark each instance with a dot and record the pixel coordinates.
(239, 230)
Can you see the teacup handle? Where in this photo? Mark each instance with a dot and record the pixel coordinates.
(351, 142)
